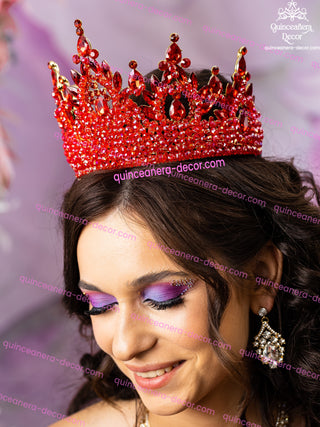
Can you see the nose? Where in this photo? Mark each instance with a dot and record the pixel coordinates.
(131, 337)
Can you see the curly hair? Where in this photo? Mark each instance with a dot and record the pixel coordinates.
(200, 221)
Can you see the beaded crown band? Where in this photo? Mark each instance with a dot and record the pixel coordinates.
(103, 128)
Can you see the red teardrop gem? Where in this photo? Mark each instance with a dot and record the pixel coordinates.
(242, 66)
(117, 81)
(94, 65)
(106, 70)
(174, 53)
(177, 110)
(135, 81)
(83, 46)
(75, 76)
(73, 90)
(215, 84)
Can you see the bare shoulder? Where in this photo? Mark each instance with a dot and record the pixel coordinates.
(102, 414)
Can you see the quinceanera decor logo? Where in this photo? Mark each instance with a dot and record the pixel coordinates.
(292, 23)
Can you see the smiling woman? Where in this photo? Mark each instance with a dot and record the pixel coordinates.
(161, 127)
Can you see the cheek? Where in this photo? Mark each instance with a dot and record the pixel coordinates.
(102, 333)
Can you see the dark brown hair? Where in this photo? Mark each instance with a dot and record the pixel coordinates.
(201, 222)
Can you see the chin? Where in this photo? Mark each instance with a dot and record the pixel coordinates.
(164, 407)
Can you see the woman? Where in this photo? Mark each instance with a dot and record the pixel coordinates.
(187, 334)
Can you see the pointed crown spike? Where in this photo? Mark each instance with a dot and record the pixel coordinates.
(103, 128)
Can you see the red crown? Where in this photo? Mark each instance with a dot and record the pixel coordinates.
(103, 128)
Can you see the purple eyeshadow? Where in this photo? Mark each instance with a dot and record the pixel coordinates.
(164, 292)
(99, 299)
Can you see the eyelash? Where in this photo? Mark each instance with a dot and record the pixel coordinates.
(99, 310)
(163, 305)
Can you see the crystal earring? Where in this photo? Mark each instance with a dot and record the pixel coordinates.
(269, 343)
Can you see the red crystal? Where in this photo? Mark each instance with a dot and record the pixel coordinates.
(79, 31)
(136, 82)
(177, 110)
(162, 65)
(174, 37)
(77, 23)
(106, 70)
(75, 76)
(94, 53)
(94, 65)
(117, 81)
(101, 106)
(242, 66)
(83, 46)
(76, 59)
(174, 53)
(185, 63)
(133, 64)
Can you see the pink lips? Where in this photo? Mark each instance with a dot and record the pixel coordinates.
(157, 382)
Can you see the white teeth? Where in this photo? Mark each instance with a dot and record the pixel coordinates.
(157, 373)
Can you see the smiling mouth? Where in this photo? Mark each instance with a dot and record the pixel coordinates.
(158, 372)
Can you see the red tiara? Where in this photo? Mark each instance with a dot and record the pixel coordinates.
(103, 128)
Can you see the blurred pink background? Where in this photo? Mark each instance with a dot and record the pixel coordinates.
(287, 95)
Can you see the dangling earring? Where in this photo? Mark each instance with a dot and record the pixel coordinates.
(269, 342)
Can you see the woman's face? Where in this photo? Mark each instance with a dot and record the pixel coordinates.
(144, 283)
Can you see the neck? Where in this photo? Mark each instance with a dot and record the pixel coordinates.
(224, 402)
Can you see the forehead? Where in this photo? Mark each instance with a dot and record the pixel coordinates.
(113, 257)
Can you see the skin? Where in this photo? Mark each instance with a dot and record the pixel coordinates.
(112, 264)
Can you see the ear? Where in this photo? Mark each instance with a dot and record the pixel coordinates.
(267, 264)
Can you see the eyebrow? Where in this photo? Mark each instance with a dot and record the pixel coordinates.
(140, 281)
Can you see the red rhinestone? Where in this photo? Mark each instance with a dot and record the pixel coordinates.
(174, 37)
(177, 110)
(75, 76)
(174, 53)
(185, 63)
(117, 81)
(163, 65)
(83, 46)
(79, 31)
(76, 59)
(94, 54)
(133, 64)
(77, 23)
(242, 66)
